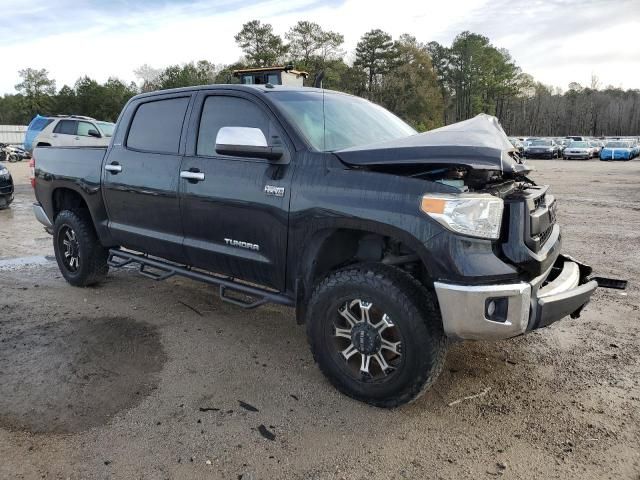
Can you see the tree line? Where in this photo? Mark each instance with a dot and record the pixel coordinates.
(428, 85)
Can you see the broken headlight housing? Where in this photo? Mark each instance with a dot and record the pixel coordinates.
(475, 215)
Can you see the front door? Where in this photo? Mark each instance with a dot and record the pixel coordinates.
(236, 214)
(83, 138)
(140, 179)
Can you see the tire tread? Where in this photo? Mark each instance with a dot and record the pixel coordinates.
(420, 304)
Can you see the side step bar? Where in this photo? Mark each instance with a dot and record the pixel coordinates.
(158, 270)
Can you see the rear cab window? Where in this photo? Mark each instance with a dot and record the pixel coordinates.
(157, 125)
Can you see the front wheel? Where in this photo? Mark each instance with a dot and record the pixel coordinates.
(81, 258)
(376, 334)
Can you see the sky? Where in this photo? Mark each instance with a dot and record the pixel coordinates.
(556, 41)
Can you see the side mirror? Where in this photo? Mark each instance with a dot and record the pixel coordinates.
(246, 142)
(94, 133)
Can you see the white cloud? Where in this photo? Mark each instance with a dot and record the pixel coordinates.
(102, 43)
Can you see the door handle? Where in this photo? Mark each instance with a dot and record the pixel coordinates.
(189, 175)
(113, 168)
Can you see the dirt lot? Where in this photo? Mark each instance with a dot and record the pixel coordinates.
(136, 379)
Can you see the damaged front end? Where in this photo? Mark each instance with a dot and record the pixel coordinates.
(493, 312)
(475, 159)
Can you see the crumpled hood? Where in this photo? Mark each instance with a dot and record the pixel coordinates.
(479, 143)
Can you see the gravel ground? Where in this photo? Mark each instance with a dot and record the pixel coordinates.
(136, 379)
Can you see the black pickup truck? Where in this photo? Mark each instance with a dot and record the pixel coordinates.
(388, 243)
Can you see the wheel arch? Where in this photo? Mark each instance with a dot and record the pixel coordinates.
(329, 249)
(65, 198)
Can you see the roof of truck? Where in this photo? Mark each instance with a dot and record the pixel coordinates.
(239, 87)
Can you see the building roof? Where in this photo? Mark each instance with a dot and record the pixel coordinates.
(277, 68)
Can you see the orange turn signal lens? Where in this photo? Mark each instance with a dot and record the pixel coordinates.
(433, 205)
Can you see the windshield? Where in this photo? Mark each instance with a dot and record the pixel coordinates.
(342, 122)
(546, 143)
(617, 145)
(579, 145)
(107, 128)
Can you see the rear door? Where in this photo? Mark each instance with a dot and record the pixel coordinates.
(236, 217)
(140, 177)
(64, 133)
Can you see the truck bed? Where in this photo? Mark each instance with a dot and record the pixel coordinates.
(77, 168)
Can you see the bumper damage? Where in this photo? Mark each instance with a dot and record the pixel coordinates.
(492, 312)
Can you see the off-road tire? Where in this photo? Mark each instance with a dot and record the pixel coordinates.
(413, 309)
(92, 255)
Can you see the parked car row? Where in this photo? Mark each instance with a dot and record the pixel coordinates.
(577, 148)
(620, 150)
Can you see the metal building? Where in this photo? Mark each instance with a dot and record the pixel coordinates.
(12, 134)
(279, 75)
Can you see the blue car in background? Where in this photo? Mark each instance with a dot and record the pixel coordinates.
(37, 124)
(617, 151)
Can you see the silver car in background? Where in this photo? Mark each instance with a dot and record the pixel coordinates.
(578, 150)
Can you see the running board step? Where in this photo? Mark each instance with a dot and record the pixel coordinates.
(158, 270)
(610, 283)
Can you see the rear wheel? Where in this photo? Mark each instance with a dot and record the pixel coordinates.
(376, 334)
(81, 258)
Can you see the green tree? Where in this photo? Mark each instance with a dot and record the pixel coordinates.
(66, 102)
(37, 89)
(411, 89)
(13, 110)
(314, 49)
(224, 73)
(89, 98)
(190, 74)
(115, 94)
(474, 76)
(375, 54)
(260, 45)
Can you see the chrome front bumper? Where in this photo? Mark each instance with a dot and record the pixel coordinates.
(527, 305)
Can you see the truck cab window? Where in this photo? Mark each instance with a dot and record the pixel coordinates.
(220, 111)
(157, 125)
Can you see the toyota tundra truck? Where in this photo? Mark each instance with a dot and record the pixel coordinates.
(388, 243)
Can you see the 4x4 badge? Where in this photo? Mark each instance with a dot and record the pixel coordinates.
(274, 191)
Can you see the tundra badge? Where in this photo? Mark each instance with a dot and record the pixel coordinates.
(274, 191)
(237, 243)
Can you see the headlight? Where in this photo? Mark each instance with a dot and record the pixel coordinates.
(3, 172)
(476, 215)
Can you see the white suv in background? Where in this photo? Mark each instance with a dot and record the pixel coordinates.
(74, 131)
